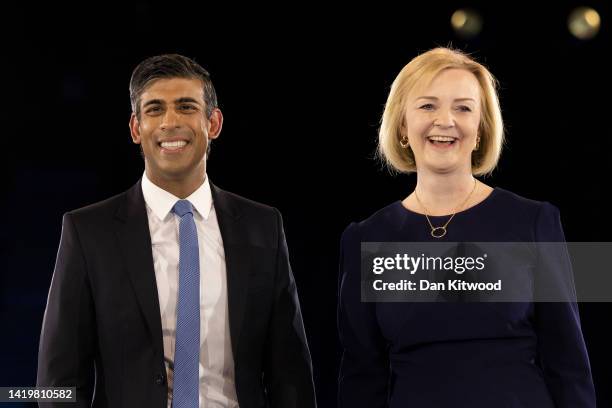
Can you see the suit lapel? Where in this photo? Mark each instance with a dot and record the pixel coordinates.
(236, 259)
(132, 229)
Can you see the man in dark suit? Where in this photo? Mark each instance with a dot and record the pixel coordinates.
(175, 292)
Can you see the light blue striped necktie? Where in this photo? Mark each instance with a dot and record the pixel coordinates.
(187, 348)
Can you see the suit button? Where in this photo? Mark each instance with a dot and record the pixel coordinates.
(159, 379)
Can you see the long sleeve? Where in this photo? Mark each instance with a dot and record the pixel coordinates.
(67, 341)
(364, 368)
(562, 353)
(287, 363)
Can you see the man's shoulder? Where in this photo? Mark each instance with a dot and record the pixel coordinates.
(103, 209)
(227, 200)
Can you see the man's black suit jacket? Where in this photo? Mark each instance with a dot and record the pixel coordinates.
(102, 326)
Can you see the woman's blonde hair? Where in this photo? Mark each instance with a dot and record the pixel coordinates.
(418, 74)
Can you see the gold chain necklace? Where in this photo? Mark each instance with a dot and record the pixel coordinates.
(442, 228)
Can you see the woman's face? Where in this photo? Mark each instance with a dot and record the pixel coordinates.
(442, 121)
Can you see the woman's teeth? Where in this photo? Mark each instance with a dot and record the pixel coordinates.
(441, 140)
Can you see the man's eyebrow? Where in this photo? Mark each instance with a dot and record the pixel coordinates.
(153, 102)
(186, 99)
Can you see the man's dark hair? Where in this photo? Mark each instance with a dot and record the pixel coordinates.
(170, 66)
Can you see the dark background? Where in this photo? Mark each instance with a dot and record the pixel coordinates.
(302, 89)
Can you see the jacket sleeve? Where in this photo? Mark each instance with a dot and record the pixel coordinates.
(67, 340)
(287, 363)
(562, 352)
(364, 369)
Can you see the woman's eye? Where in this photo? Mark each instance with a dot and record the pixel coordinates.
(465, 109)
(427, 106)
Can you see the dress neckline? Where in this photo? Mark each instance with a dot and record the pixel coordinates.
(479, 204)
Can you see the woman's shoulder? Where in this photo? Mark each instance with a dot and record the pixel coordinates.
(380, 222)
(540, 220)
(521, 205)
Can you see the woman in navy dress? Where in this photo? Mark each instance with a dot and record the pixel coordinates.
(442, 121)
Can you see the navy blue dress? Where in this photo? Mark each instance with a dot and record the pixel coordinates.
(437, 355)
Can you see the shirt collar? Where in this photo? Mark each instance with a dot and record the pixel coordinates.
(161, 201)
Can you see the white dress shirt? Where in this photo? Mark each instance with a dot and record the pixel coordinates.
(217, 388)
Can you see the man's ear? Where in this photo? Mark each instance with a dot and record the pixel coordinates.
(215, 123)
(135, 129)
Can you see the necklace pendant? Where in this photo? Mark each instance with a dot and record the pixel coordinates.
(441, 232)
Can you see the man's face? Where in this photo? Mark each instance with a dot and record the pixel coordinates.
(173, 129)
